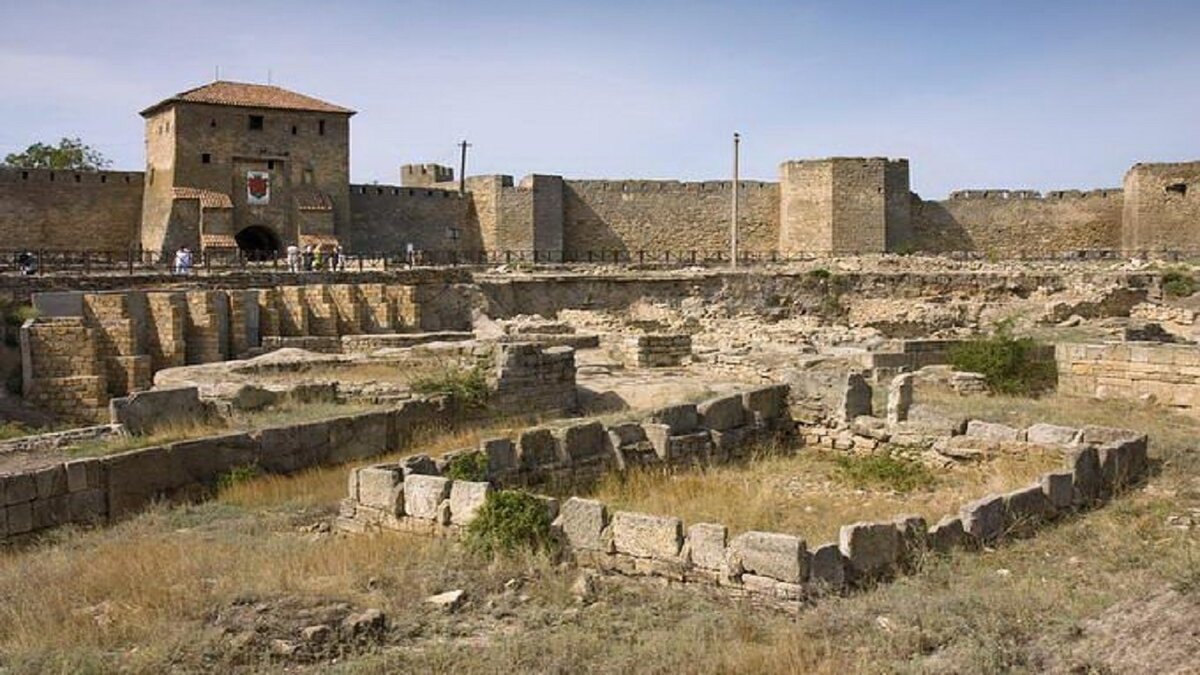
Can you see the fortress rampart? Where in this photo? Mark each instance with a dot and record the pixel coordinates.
(234, 166)
(41, 208)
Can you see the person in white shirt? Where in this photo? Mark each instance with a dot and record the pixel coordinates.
(293, 258)
(181, 260)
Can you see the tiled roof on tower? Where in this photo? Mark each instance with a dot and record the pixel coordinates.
(245, 95)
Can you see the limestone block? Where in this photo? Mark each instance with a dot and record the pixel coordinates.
(1085, 468)
(770, 401)
(947, 535)
(142, 411)
(993, 431)
(20, 518)
(682, 419)
(722, 413)
(582, 522)
(49, 512)
(501, 454)
(82, 474)
(774, 588)
(419, 464)
(466, 498)
(205, 460)
(706, 544)
(537, 448)
(659, 436)
(582, 443)
(1097, 435)
(18, 488)
(871, 549)
(855, 399)
(782, 557)
(1025, 508)
(1122, 462)
(626, 434)
(423, 494)
(731, 441)
(290, 448)
(139, 476)
(1051, 434)
(1059, 489)
(900, 398)
(983, 518)
(359, 436)
(382, 487)
(913, 530)
(828, 566)
(645, 536)
(51, 481)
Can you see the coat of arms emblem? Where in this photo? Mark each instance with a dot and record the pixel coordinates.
(258, 187)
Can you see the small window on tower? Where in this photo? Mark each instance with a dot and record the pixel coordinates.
(294, 129)
(270, 165)
(256, 122)
(205, 158)
(321, 127)
(1177, 188)
(213, 123)
(307, 177)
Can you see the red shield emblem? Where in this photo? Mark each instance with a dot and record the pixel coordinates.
(258, 187)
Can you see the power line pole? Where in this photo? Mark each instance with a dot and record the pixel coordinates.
(733, 222)
(462, 167)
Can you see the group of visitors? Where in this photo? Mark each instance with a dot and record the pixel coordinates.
(315, 258)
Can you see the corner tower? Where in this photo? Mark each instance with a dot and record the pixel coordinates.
(844, 205)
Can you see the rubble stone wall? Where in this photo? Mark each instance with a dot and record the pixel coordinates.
(415, 496)
(97, 490)
(1169, 374)
(93, 346)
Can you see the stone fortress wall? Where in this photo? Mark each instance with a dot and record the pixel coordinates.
(69, 210)
(1020, 222)
(837, 205)
(204, 144)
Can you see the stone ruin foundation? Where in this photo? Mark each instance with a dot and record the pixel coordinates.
(414, 496)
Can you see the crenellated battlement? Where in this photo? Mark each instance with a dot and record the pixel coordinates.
(67, 177)
(666, 185)
(399, 191)
(1006, 195)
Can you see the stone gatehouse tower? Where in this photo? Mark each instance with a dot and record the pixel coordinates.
(233, 165)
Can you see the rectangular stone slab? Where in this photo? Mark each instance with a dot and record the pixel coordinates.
(645, 536)
(423, 494)
(782, 557)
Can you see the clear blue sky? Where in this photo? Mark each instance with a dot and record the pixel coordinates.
(1049, 94)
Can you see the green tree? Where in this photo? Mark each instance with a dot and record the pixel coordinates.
(69, 154)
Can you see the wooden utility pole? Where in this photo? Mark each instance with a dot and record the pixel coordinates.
(462, 166)
(733, 221)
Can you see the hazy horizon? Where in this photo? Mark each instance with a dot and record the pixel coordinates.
(1017, 95)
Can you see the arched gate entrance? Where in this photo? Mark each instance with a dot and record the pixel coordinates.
(258, 242)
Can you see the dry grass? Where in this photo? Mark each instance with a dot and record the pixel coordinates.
(150, 594)
(807, 493)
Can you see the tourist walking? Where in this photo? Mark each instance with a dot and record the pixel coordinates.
(307, 258)
(293, 258)
(181, 260)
